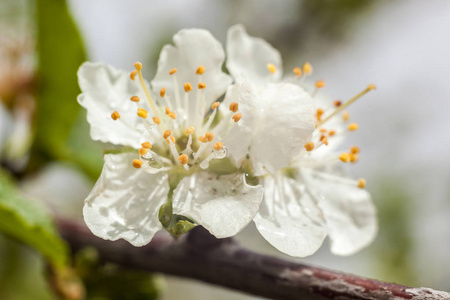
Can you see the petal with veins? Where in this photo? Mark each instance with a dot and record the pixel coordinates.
(248, 57)
(125, 201)
(224, 205)
(288, 217)
(106, 89)
(193, 48)
(348, 210)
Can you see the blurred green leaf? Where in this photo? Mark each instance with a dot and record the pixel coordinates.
(27, 222)
(59, 126)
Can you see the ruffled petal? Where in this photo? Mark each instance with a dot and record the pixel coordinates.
(193, 48)
(278, 119)
(106, 89)
(125, 201)
(224, 205)
(348, 210)
(248, 57)
(289, 219)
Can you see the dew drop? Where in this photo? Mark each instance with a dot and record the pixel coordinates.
(222, 153)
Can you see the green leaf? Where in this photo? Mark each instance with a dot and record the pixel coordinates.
(26, 221)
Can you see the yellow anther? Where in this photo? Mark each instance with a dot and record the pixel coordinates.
(173, 115)
(183, 159)
(309, 146)
(190, 130)
(202, 139)
(319, 113)
(215, 105)
(187, 87)
(361, 183)
(138, 65)
(218, 145)
(352, 126)
(271, 67)
(345, 116)
(115, 115)
(201, 85)
(133, 75)
(167, 133)
(234, 107)
(307, 68)
(167, 109)
(354, 150)
(162, 92)
(323, 130)
(332, 132)
(147, 145)
(173, 71)
(236, 117)
(353, 157)
(142, 113)
(156, 120)
(209, 136)
(171, 138)
(371, 87)
(200, 70)
(344, 157)
(297, 71)
(142, 151)
(319, 84)
(337, 103)
(315, 124)
(324, 140)
(135, 99)
(137, 163)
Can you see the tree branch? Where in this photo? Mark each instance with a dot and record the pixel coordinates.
(223, 262)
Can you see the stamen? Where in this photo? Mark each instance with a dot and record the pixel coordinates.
(142, 113)
(167, 133)
(190, 130)
(133, 75)
(361, 183)
(202, 139)
(201, 85)
(319, 114)
(354, 150)
(344, 157)
(236, 117)
(200, 70)
(138, 67)
(115, 115)
(170, 138)
(332, 132)
(173, 71)
(345, 116)
(297, 71)
(337, 103)
(319, 84)
(215, 105)
(167, 110)
(324, 140)
(353, 157)
(271, 67)
(156, 120)
(352, 126)
(307, 68)
(135, 99)
(142, 151)
(172, 115)
(218, 145)
(147, 145)
(309, 146)
(323, 130)
(162, 92)
(187, 87)
(183, 159)
(209, 136)
(234, 107)
(346, 104)
(137, 163)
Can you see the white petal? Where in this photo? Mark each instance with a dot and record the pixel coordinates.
(193, 48)
(348, 210)
(6, 125)
(104, 90)
(224, 205)
(248, 57)
(125, 201)
(289, 219)
(278, 120)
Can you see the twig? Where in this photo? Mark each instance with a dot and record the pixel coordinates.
(225, 263)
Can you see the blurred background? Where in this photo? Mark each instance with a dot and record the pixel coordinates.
(48, 159)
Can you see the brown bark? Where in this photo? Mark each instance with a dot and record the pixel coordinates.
(223, 262)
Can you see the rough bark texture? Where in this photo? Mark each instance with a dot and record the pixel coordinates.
(223, 262)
